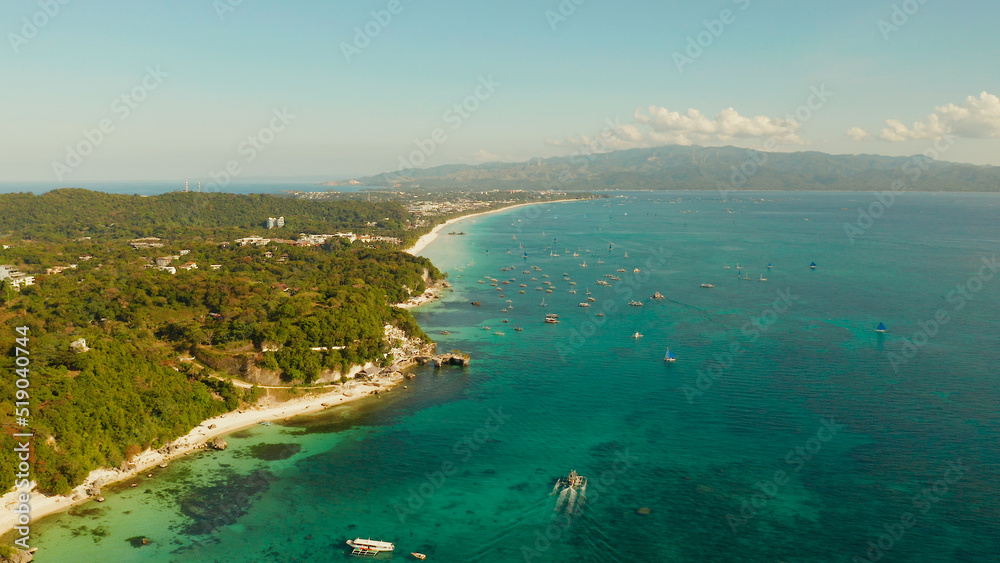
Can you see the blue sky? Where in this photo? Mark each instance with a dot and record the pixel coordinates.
(210, 75)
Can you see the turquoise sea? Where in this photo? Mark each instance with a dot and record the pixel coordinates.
(787, 430)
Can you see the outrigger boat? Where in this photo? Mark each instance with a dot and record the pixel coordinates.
(573, 480)
(369, 547)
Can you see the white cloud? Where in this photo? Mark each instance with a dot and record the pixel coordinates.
(482, 155)
(975, 118)
(858, 134)
(655, 126)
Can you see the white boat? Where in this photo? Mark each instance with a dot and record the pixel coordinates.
(637, 335)
(369, 546)
(669, 356)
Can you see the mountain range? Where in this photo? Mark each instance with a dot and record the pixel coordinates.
(698, 168)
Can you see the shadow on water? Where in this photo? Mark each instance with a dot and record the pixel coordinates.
(430, 388)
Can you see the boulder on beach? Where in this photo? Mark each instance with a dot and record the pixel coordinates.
(217, 443)
(14, 555)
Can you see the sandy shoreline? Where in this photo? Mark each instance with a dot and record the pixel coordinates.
(42, 505)
(425, 240)
(149, 460)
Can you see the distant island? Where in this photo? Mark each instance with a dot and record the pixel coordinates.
(696, 168)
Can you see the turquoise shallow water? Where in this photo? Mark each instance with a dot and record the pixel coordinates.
(784, 432)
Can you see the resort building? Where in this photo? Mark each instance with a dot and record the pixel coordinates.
(15, 277)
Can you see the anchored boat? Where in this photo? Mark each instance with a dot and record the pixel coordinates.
(573, 480)
(369, 547)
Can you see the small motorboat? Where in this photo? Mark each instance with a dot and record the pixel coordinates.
(419, 556)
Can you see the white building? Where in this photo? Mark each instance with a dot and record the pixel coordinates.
(15, 277)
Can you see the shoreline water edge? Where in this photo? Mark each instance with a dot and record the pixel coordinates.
(233, 421)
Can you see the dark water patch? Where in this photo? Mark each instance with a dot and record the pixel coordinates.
(274, 452)
(98, 533)
(242, 434)
(139, 541)
(92, 512)
(224, 502)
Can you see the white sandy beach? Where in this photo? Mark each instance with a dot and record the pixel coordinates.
(425, 240)
(148, 461)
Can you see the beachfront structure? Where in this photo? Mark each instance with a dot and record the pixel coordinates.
(376, 238)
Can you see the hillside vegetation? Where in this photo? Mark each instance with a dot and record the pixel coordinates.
(136, 387)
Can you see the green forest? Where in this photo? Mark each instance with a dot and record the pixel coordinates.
(130, 390)
(73, 213)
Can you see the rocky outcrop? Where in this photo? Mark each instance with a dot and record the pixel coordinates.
(17, 556)
(168, 449)
(439, 360)
(217, 443)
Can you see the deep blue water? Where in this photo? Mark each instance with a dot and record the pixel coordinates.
(787, 429)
